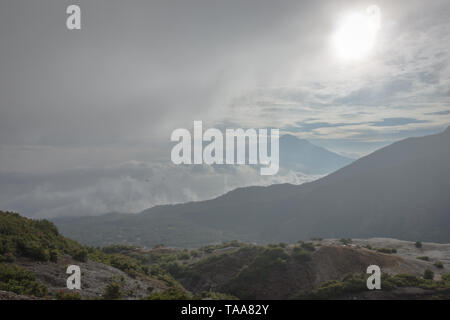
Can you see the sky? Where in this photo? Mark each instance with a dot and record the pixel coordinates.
(86, 115)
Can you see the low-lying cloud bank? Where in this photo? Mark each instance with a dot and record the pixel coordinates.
(127, 188)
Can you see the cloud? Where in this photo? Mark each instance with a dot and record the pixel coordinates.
(129, 80)
(391, 122)
(129, 187)
(137, 70)
(438, 113)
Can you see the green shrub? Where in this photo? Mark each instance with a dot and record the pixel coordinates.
(53, 256)
(33, 250)
(7, 257)
(18, 280)
(113, 291)
(195, 253)
(386, 250)
(209, 295)
(174, 268)
(41, 241)
(350, 284)
(35, 239)
(118, 248)
(80, 255)
(300, 254)
(439, 265)
(62, 295)
(418, 244)
(308, 246)
(184, 255)
(424, 258)
(428, 274)
(170, 294)
(128, 265)
(356, 283)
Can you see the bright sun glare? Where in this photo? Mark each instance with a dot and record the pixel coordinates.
(357, 33)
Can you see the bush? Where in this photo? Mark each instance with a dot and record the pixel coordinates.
(211, 295)
(333, 289)
(54, 255)
(418, 244)
(20, 281)
(439, 265)
(128, 265)
(184, 255)
(346, 241)
(62, 295)
(424, 258)
(386, 250)
(118, 248)
(300, 254)
(80, 255)
(34, 239)
(170, 294)
(308, 246)
(428, 274)
(33, 250)
(7, 257)
(113, 291)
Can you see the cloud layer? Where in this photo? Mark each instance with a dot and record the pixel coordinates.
(74, 104)
(127, 188)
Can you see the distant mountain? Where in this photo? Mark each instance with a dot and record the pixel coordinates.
(400, 191)
(301, 155)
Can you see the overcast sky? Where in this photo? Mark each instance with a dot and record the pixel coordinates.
(108, 96)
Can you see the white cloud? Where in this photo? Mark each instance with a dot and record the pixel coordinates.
(128, 187)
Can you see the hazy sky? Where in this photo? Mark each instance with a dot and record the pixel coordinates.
(111, 93)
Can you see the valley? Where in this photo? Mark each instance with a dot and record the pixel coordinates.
(34, 258)
(399, 191)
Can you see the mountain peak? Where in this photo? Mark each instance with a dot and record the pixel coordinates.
(303, 156)
(291, 137)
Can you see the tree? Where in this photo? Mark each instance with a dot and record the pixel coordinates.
(418, 244)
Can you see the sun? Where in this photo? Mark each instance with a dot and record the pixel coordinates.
(357, 34)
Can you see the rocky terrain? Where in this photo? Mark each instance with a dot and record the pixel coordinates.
(408, 251)
(34, 258)
(327, 260)
(95, 278)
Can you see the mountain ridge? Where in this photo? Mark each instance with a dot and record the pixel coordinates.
(397, 191)
(303, 156)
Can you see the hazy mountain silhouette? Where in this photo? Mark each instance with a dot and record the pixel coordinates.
(400, 191)
(301, 155)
